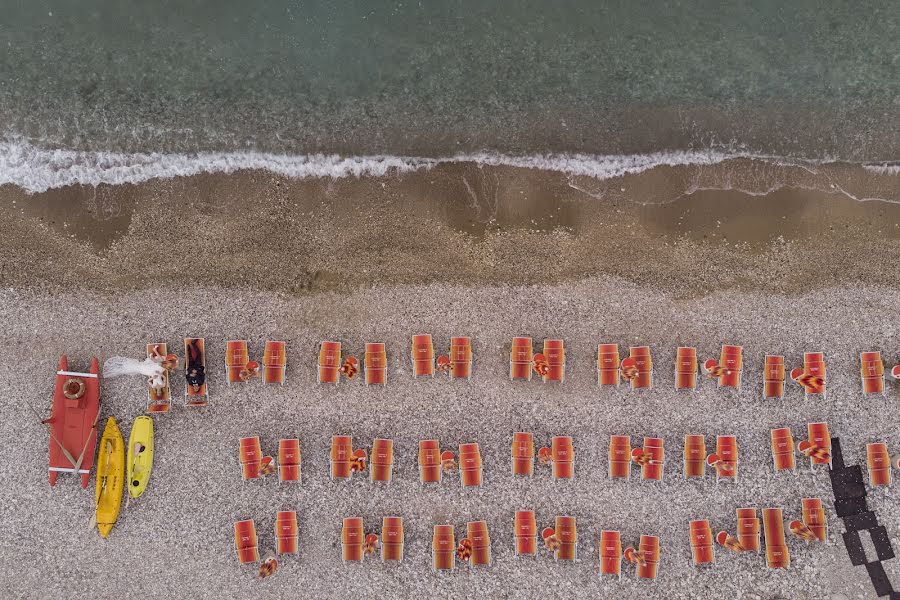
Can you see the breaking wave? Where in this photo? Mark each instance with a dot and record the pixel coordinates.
(37, 170)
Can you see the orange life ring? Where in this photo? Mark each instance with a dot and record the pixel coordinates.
(73, 388)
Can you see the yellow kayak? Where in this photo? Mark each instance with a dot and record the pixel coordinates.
(110, 477)
(140, 455)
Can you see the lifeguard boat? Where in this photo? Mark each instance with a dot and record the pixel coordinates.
(73, 421)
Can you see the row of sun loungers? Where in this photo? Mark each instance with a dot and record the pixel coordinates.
(561, 539)
(559, 456)
(635, 370)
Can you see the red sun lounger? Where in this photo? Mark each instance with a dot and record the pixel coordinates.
(686, 368)
(608, 364)
(430, 469)
(812, 376)
(562, 456)
(777, 554)
(525, 533)
(814, 517)
(286, 532)
(245, 541)
(872, 372)
(649, 551)
(274, 362)
(376, 364)
(329, 370)
(289, 467)
(422, 355)
(238, 366)
(353, 540)
(523, 454)
(470, 465)
(521, 359)
(392, 539)
(773, 377)
(727, 370)
(460, 358)
(702, 551)
(694, 456)
(443, 548)
(251, 456)
(638, 368)
(651, 458)
(725, 460)
(610, 553)
(382, 460)
(480, 541)
(818, 444)
(555, 357)
(783, 449)
(748, 529)
(878, 461)
(566, 534)
(619, 457)
(345, 460)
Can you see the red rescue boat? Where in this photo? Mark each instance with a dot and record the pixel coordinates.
(73, 421)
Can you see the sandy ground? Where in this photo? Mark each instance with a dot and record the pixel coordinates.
(780, 259)
(177, 539)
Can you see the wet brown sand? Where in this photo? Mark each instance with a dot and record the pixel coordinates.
(746, 224)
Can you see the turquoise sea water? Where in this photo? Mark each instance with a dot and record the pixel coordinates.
(805, 78)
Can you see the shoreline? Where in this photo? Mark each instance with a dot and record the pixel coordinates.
(689, 229)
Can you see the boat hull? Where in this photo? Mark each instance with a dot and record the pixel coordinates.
(73, 422)
(110, 477)
(140, 456)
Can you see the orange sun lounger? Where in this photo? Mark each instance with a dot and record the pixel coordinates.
(289, 460)
(555, 355)
(638, 368)
(649, 550)
(523, 454)
(274, 362)
(521, 359)
(353, 540)
(430, 470)
(329, 370)
(777, 554)
(245, 541)
(382, 461)
(376, 364)
(344, 459)
(619, 457)
(608, 364)
(422, 355)
(443, 548)
(392, 539)
(470, 465)
(238, 366)
(562, 455)
(566, 534)
(250, 454)
(818, 445)
(814, 517)
(286, 532)
(773, 377)
(702, 552)
(478, 537)
(878, 461)
(727, 370)
(525, 533)
(610, 553)
(159, 399)
(783, 449)
(196, 391)
(812, 376)
(653, 461)
(872, 372)
(694, 456)
(460, 358)
(686, 368)
(748, 529)
(726, 458)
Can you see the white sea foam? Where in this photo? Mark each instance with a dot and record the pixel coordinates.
(37, 170)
